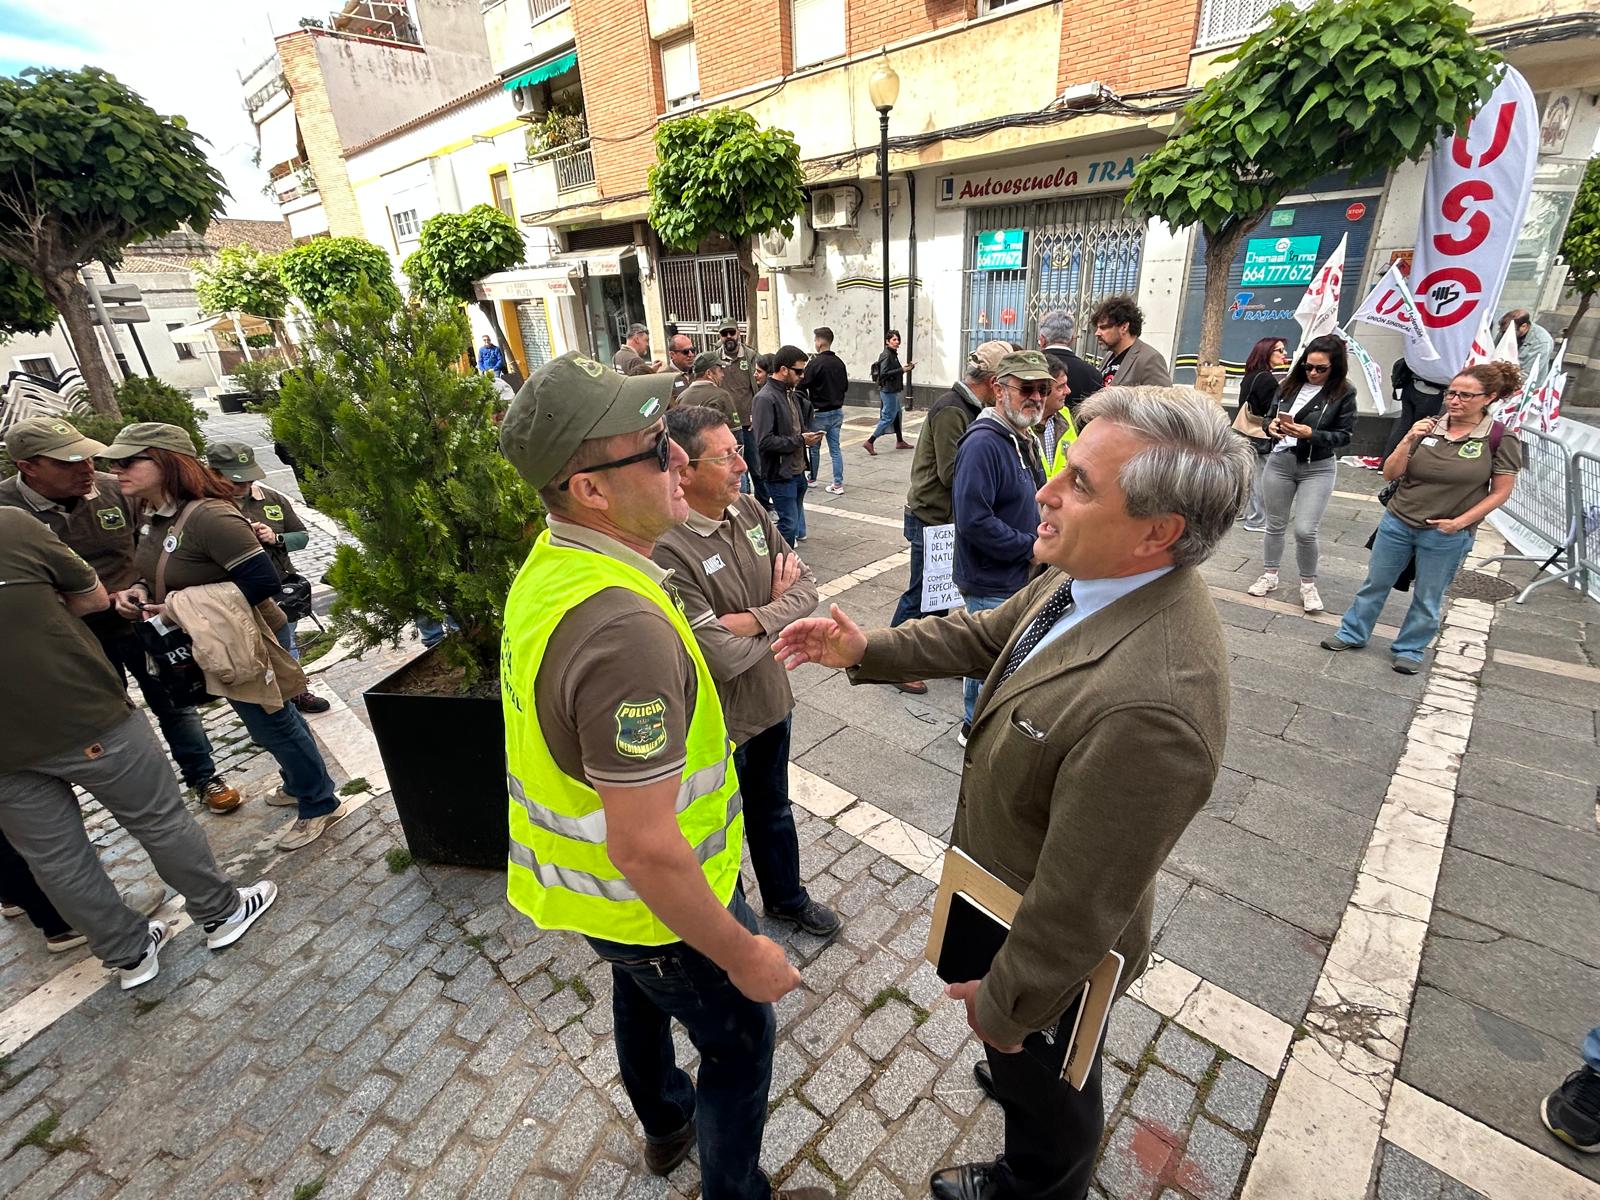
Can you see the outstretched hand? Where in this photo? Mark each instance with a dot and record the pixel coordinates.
(832, 641)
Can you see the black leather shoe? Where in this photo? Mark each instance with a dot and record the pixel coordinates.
(663, 1157)
(969, 1181)
(816, 919)
(980, 1072)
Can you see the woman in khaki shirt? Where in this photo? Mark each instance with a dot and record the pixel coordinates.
(1453, 470)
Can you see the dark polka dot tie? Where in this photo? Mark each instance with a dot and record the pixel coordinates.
(1054, 609)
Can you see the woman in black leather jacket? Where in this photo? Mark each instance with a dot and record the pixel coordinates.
(1311, 419)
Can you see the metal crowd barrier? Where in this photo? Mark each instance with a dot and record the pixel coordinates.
(1586, 507)
(1544, 502)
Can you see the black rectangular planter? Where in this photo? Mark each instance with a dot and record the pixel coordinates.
(445, 756)
(232, 402)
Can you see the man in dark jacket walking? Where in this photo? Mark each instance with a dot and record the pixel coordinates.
(824, 384)
(1057, 332)
(779, 418)
(998, 472)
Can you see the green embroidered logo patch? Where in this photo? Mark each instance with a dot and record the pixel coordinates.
(272, 512)
(1472, 449)
(111, 518)
(758, 539)
(642, 728)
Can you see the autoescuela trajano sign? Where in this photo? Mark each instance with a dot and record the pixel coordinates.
(1052, 178)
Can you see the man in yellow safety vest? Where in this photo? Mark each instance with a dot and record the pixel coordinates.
(625, 814)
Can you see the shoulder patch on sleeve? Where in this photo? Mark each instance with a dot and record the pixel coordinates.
(642, 728)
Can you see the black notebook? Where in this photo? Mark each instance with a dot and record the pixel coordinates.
(972, 937)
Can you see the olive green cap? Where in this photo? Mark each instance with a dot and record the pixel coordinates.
(149, 435)
(704, 362)
(235, 461)
(1024, 364)
(572, 400)
(50, 437)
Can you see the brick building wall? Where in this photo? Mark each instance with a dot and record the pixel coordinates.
(875, 23)
(741, 42)
(1128, 50)
(324, 151)
(621, 91)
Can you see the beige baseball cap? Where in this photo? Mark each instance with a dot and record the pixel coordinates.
(50, 437)
(149, 435)
(987, 356)
(573, 400)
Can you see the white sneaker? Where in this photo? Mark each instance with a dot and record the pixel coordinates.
(836, 488)
(253, 901)
(1267, 583)
(308, 829)
(278, 798)
(10, 911)
(1309, 598)
(148, 967)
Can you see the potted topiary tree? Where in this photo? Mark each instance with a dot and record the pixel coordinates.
(398, 444)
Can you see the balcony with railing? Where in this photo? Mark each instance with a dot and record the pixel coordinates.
(1225, 21)
(574, 167)
(382, 20)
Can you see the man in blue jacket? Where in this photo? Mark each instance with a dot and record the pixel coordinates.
(490, 360)
(998, 472)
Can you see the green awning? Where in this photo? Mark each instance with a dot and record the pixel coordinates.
(546, 70)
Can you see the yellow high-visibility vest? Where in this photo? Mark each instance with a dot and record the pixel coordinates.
(1058, 461)
(559, 872)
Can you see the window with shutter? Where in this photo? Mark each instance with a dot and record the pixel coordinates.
(819, 31)
(680, 73)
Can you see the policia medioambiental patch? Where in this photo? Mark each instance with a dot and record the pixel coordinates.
(642, 728)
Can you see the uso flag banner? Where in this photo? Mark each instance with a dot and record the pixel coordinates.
(1391, 306)
(1472, 209)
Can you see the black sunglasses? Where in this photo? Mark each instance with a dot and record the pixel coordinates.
(661, 452)
(1032, 389)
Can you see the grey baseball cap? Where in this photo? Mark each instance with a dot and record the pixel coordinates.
(235, 461)
(573, 400)
(704, 361)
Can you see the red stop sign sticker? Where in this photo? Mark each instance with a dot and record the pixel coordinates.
(1008, 316)
(1355, 212)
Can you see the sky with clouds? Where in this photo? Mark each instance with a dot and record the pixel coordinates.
(182, 56)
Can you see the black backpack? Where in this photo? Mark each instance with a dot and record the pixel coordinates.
(876, 370)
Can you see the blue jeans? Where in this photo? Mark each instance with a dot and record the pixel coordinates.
(286, 736)
(1439, 556)
(789, 502)
(888, 416)
(181, 728)
(911, 599)
(971, 687)
(1591, 1049)
(286, 639)
(433, 632)
(752, 481)
(829, 423)
(763, 766)
(651, 985)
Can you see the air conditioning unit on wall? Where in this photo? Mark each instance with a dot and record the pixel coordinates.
(778, 253)
(834, 208)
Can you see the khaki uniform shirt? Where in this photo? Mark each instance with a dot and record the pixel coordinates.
(99, 527)
(723, 567)
(627, 361)
(73, 696)
(1444, 479)
(613, 661)
(216, 539)
(739, 380)
(273, 510)
(708, 395)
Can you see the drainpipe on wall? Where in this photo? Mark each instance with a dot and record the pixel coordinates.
(911, 279)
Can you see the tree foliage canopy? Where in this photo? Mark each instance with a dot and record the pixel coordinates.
(458, 249)
(400, 446)
(1580, 245)
(326, 271)
(719, 172)
(1341, 85)
(24, 308)
(241, 280)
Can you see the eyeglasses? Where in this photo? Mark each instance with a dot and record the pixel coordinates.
(720, 459)
(1036, 389)
(661, 452)
(1465, 395)
(685, 350)
(122, 464)
(1315, 369)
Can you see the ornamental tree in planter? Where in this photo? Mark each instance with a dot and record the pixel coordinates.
(399, 445)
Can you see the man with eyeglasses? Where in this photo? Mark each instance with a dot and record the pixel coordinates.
(999, 469)
(741, 583)
(625, 812)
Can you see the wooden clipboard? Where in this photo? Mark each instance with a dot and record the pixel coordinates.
(984, 894)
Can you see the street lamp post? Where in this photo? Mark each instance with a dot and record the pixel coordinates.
(884, 88)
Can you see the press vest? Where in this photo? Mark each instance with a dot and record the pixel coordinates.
(559, 872)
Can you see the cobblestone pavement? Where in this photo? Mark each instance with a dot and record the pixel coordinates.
(394, 1029)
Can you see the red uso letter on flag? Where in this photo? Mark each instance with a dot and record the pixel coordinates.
(1472, 210)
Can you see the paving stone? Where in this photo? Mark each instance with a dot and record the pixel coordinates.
(789, 1127)
(1542, 794)
(419, 1086)
(851, 1141)
(945, 1030)
(832, 1083)
(1212, 1161)
(1114, 1082)
(451, 1177)
(907, 1078)
(826, 1024)
(1572, 757)
(882, 1031)
(1130, 1029)
(1132, 1161)
(920, 1144)
(443, 1117)
(1162, 1099)
(1521, 902)
(1512, 837)
(1236, 1095)
(351, 1117)
(1184, 1053)
(581, 1124)
(1403, 1176)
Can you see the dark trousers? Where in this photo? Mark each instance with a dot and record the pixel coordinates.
(788, 502)
(651, 985)
(1052, 1129)
(18, 886)
(1414, 405)
(763, 766)
(181, 728)
(911, 599)
(747, 440)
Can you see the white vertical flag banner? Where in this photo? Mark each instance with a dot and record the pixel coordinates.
(1473, 205)
(1374, 374)
(1318, 310)
(1482, 349)
(1391, 305)
(1505, 350)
